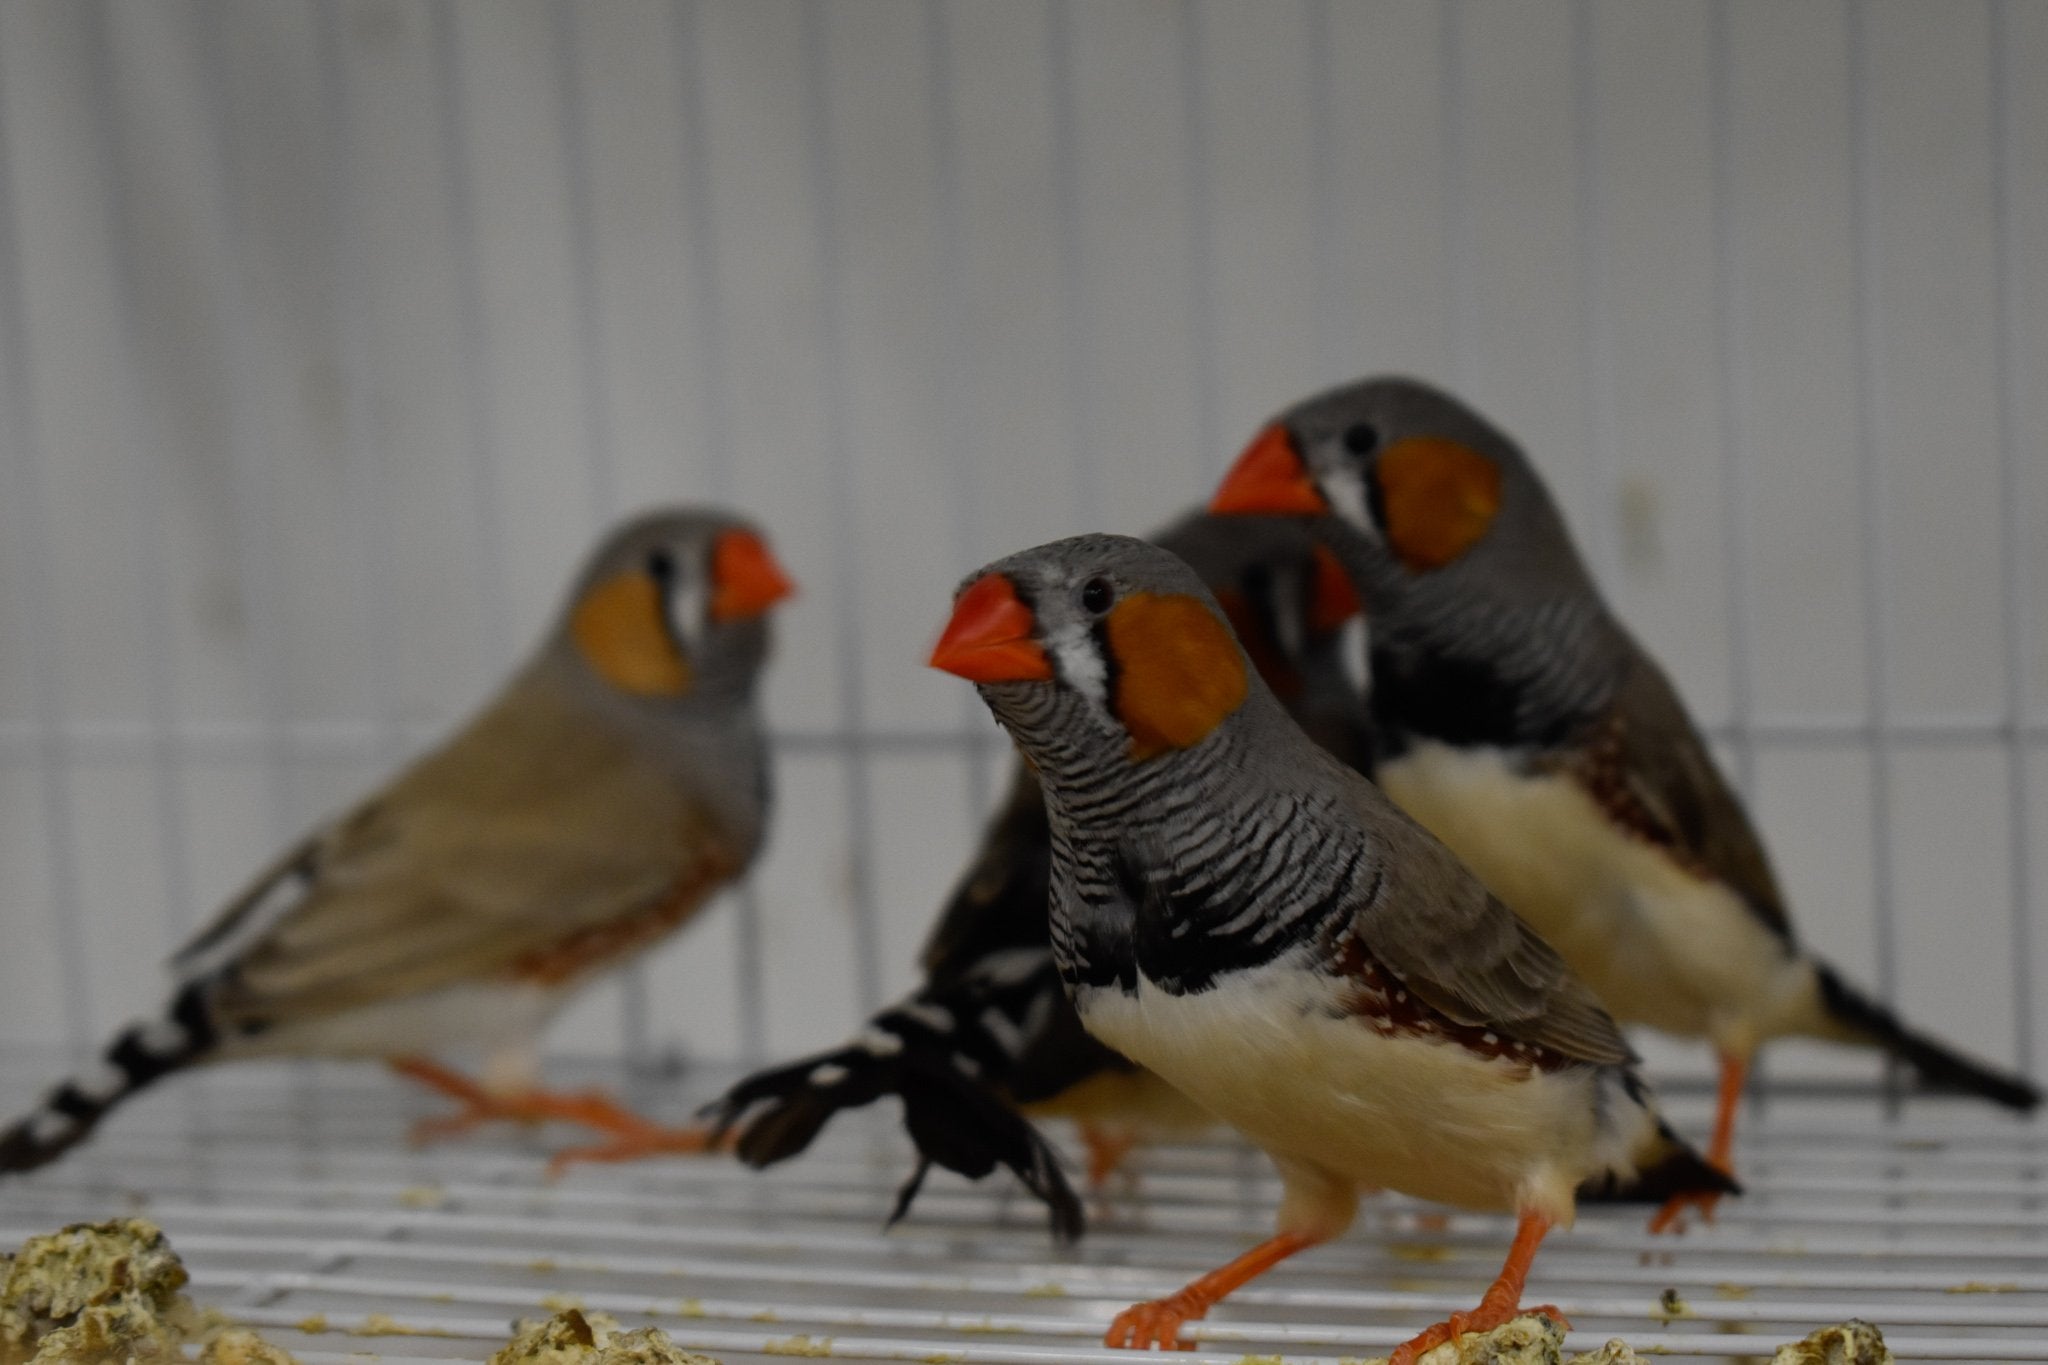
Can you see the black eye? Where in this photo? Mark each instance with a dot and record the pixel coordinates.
(1096, 595)
(1362, 438)
(661, 566)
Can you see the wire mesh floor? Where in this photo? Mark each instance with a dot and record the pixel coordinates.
(298, 1207)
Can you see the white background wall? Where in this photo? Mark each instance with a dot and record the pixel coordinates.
(330, 333)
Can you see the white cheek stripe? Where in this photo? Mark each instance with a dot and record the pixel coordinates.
(1345, 488)
(1080, 662)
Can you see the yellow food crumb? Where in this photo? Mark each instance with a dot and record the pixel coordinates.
(1421, 1251)
(242, 1347)
(543, 1266)
(798, 1346)
(573, 1337)
(384, 1325)
(94, 1291)
(765, 1315)
(1048, 1290)
(423, 1197)
(1982, 1287)
(1670, 1307)
(690, 1308)
(1725, 1290)
(314, 1325)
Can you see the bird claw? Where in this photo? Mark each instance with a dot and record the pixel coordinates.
(1672, 1217)
(1484, 1318)
(1153, 1326)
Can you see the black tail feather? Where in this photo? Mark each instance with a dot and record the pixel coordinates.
(139, 1056)
(1940, 1066)
(955, 1120)
(1673, 1168)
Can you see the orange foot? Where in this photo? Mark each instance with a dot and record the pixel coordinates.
(632, 1136)
(1672, 1217)
(1155, 1326)
(1489, 1315)
(1107, 1148)
(645, 1141)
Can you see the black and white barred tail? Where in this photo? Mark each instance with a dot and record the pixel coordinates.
(1669, 1169)
(920, 1051)
(139, 1056)
(1940, 1066)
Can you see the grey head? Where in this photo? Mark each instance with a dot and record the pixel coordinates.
(671, 612)
(1435, 490)
(1486, 625)
(1101, 653)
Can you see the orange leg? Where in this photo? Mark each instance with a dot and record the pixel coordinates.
(1502, 1303)
(632, 1136)
(1720, 1154)
(1157, 1324)
(1107, 1148)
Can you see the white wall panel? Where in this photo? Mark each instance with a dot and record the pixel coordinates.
(332, 330)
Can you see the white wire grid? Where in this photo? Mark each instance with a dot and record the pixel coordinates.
(295, 1205)
(410, 239)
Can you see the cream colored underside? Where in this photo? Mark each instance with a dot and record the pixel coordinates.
(503, 1021)
(1659, 945)
(1343, 1108)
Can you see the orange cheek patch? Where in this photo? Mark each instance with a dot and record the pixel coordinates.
(1438, 497)
(1179, 671)
(618, 629)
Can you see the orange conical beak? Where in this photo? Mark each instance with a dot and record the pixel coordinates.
(745, 579)
(989, 638)
(1332, 599)
(1270, 478)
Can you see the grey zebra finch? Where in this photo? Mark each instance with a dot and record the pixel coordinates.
(988, 1037)
(1252, 920)
(593, 807)
(1523, 725)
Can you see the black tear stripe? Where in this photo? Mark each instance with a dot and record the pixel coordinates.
(1112, 667)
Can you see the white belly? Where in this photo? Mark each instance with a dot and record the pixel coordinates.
(1264, 1051)
(1659, 945)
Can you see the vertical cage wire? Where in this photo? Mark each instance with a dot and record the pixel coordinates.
(166, 758)
(957, 349)
(601, 456)
(1201, 263)
(707, 305)
(480, 425)
(2012, 590)
(24, 512)
(1871, 511)
(1080, 347)
(1596, 340)
(838, 455)
(250, 512)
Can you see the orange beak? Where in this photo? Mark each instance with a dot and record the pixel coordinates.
(1332, 599)
(745, 579)
(989, 638)
(1270, 478)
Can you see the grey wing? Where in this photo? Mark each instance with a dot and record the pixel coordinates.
(1671, 783)
(1432, 923)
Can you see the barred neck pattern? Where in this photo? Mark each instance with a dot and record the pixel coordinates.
(1189, 865)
